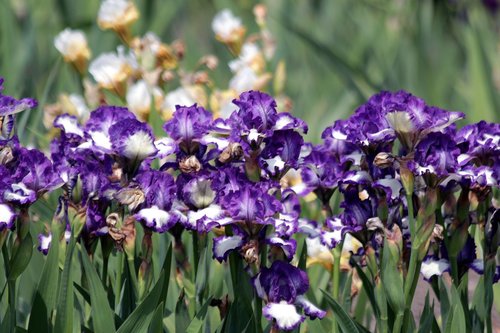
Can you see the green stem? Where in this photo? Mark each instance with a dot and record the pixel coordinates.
(119, 271)
(11, 286)
(454, 270)
(133, 276)
(410, 277)
(337, 252)
(12, 304)
(258, 312)
(411, 216)
(398, 324)
(412, 268)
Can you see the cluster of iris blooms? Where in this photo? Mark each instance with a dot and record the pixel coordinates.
(407, 178)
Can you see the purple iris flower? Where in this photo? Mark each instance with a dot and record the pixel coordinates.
(257, 118)
(436, 154)
(187, 126)
(9, 105)
(98, 126)
(282, 286)
(159, 192)
(281, 152)
(320, 173)
(199, 195)
(132, 139)
(390, 115)
(479, 144)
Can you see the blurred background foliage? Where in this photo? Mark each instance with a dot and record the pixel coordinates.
(337, 52)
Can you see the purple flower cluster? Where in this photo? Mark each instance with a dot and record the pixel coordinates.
(394, 148)
(25, 174)
(205, 175)
(241, 178)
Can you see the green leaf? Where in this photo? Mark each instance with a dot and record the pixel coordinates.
(367, 286)
(21, 258)
(102, 315)
(197, 322)
(181, 313)
(455, 322)
(392, 279)
(157, 320)
(345, 322)
(303, 257)
(139, 319)
(65, 306)
(427, 316)
(45, 296)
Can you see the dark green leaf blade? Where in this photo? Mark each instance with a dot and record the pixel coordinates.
(102, 315)
(343, 319)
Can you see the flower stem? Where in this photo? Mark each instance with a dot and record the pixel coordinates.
(133, 276)
(118, 283)
(398, 324)
(337, 252)
(414, 266)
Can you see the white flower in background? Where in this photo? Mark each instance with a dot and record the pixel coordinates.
(151, 52)
(180, 96)
(139, 98)
(110, 69)
(73, 46)
(80, 106)
(249, 56)
(227, 27)
(221, 103)
(117, 14)
(244, 80)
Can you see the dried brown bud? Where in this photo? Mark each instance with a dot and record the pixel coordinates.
(114, 231)
(190, 164)
(112, 220)
(210, 61)
(6, 155)
(233, 152)
(201, 77)
(168, 76)
(250, 252)
(132, 197)
(179, 48)
(260, 12)
(437, 233)
(384, 160)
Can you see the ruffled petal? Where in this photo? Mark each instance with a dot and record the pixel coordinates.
(284, 314)
(224, 245)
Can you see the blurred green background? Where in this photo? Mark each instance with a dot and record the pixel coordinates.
(337, 52)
